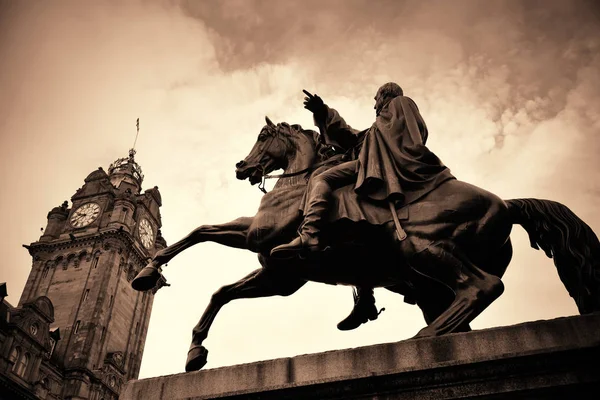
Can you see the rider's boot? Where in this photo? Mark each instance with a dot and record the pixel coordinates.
(364, 310)
(308, 240)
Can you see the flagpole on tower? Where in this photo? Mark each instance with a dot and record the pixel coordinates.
(132, 151)
(137, 125)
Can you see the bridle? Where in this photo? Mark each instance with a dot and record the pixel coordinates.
(273, 132)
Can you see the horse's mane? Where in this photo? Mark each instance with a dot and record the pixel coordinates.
(313, 135)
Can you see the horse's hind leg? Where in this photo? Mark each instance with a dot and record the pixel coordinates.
(431, 297)
(232, 234)
(475, 289)
(433, 307)
(259, 283)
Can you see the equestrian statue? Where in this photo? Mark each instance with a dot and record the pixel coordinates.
(376, 208)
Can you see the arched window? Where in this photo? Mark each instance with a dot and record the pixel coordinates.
(22, 365)
(45, 272)
(14, 356)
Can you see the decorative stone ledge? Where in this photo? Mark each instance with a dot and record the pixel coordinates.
(541, 360)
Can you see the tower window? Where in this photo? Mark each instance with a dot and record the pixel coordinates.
(137, 327)
(45, 272)
(95, 262)
(14, 356)
(86, 294)
(103, 333)
(76, 327)
(21, 366)
(52, 346)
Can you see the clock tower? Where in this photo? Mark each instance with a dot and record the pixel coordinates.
(84, 263)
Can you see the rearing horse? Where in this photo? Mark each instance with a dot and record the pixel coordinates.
(457, 249)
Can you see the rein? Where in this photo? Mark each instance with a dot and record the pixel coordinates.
(330, 160)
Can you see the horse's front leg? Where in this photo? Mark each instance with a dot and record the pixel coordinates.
(259, 283)
(232, 234)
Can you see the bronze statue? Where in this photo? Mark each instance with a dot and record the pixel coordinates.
(450, 264)
(393, 165)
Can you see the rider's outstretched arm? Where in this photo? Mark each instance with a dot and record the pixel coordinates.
(337, 130)
(332, 127)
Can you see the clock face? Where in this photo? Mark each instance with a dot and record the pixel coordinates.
(85, 215)
(146, 233)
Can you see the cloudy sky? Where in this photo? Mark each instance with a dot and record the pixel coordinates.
(510, 91)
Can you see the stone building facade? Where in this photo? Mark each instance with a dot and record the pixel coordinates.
(79, 329)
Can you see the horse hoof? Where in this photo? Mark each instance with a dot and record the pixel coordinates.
(146, 279)
(196, 358)
(425, 333)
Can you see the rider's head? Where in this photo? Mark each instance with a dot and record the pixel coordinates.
(386, 93)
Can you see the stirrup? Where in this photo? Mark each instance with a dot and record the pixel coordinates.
(296, 247)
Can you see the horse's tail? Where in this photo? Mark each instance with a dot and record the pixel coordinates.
(562, 235)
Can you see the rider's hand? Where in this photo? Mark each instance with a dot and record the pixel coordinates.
(313, 103)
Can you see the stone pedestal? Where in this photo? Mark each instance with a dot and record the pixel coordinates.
(551, 359)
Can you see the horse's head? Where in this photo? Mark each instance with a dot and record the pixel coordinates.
(275, 148)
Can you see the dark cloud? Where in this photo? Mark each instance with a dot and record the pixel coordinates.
(248, 32)
(515, 55)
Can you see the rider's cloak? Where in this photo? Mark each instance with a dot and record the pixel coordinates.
(394, 163)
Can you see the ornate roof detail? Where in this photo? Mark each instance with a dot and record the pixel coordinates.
(155, 194)
(116, 358)
(62, 210)
(96, 175)
(61, 245)
(127, 166)
(44, 306)
(96, 183)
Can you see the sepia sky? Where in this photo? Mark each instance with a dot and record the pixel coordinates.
(510, 91)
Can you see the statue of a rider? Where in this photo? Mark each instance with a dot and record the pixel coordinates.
(388, 162)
